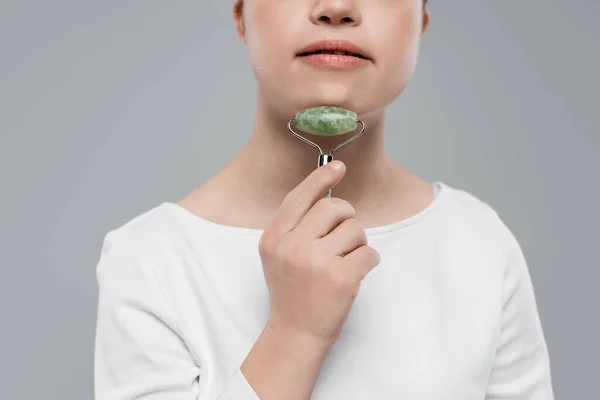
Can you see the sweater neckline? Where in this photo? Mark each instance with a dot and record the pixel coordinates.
(442, 189)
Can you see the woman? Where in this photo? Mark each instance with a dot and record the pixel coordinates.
(248, 287)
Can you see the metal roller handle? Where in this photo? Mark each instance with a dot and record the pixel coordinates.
(326, 158)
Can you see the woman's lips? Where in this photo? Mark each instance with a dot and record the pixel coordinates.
(334, 61)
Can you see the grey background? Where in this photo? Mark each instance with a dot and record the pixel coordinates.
(109, 107)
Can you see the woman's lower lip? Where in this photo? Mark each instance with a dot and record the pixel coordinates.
(334, 61)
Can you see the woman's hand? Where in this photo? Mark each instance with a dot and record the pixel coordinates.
(314, 257)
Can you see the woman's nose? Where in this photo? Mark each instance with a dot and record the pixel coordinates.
(336, 12)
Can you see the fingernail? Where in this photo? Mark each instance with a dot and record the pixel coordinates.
(336, 165)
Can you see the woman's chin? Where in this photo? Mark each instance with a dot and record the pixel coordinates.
(346, 102)
(302, 99)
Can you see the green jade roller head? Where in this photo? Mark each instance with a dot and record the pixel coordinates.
(326, 121)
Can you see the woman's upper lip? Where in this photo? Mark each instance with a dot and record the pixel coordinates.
(335, 45)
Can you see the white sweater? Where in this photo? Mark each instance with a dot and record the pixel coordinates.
(448, 314)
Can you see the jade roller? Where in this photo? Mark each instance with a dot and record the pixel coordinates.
(326, 121)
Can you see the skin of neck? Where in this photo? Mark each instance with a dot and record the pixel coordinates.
(272, 162)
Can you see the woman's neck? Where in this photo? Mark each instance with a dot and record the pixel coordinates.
(273, 162)
(250, 188)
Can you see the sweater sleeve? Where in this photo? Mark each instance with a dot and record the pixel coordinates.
(139, 350)
(521, 369)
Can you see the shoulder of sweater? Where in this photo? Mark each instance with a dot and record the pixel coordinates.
(476, 216)
(154, 229)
